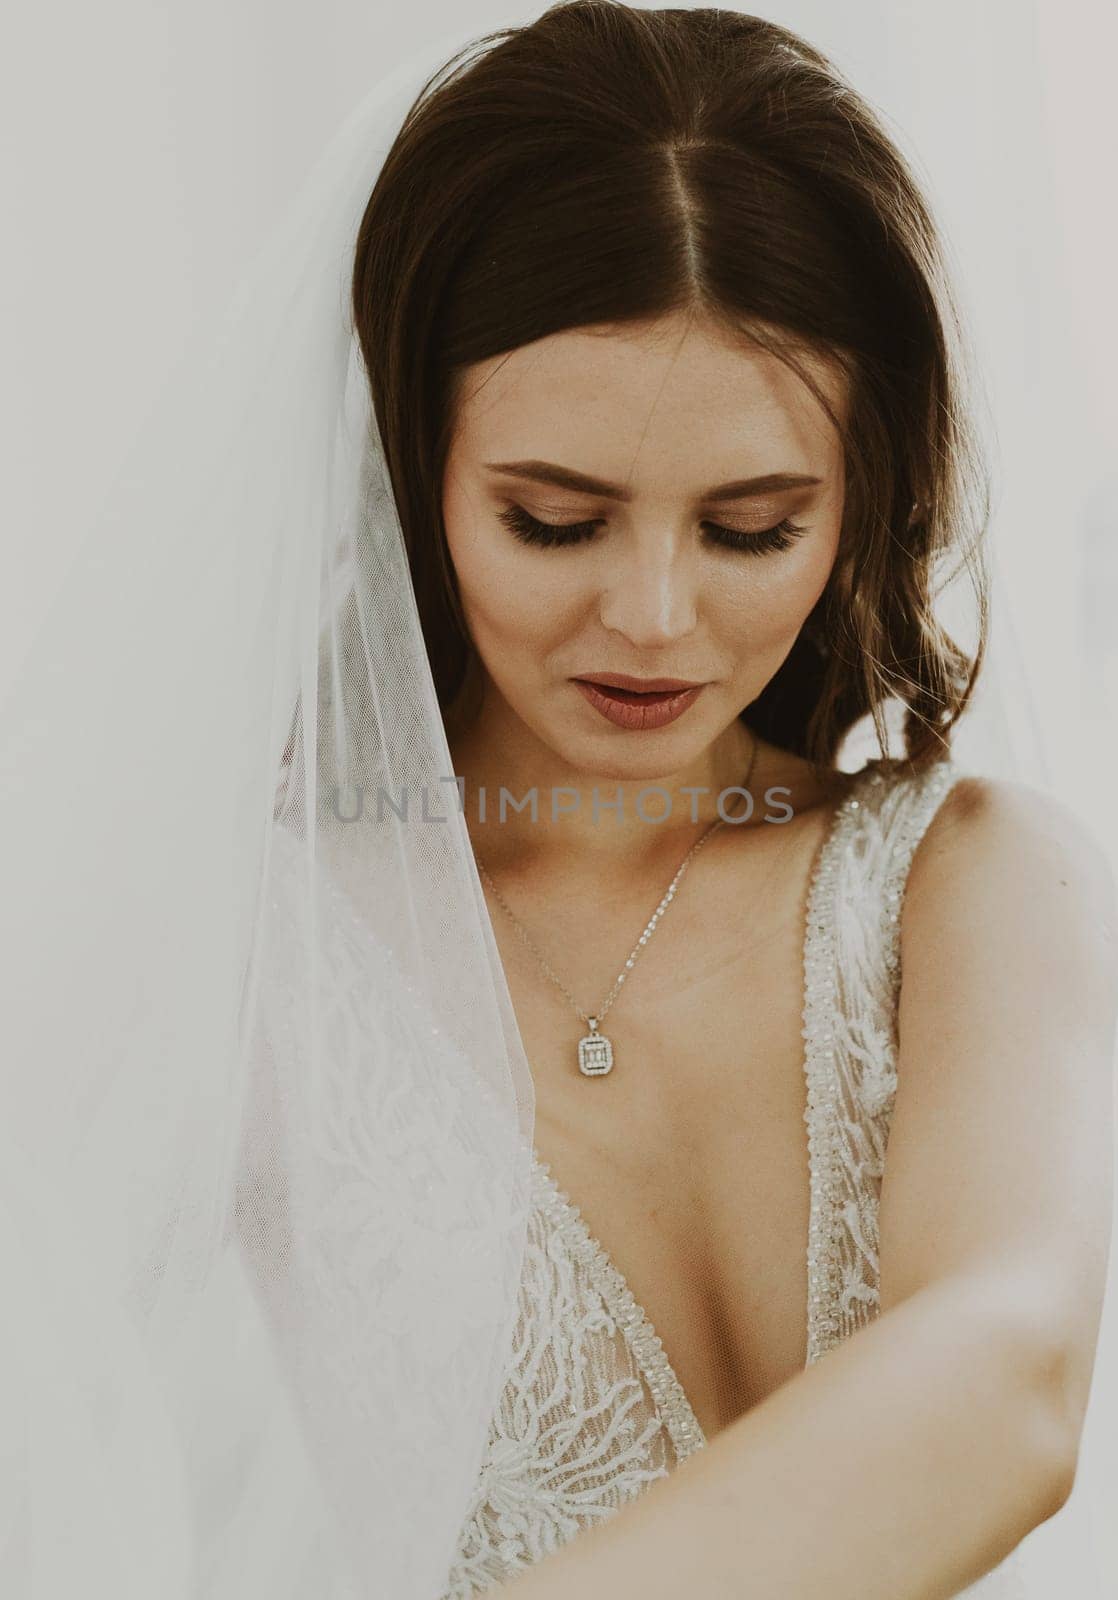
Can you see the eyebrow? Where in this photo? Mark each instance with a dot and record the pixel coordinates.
(567, 478)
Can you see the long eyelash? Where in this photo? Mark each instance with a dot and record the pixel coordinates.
(527, 528)
(531, 531)
(780, 537)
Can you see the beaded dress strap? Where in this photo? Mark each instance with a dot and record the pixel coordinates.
(851, 982)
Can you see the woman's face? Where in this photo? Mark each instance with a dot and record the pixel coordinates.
(655, 439)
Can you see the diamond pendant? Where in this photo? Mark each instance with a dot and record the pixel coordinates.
(595, 1053)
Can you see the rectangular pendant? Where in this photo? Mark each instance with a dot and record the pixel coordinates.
(595, 1055)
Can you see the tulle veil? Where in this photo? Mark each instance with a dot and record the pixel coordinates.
(259, 1274)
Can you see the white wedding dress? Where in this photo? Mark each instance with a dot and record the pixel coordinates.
(592, 1411)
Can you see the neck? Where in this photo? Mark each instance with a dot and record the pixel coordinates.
(497, 752)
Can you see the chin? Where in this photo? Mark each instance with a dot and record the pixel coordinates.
(617, 756)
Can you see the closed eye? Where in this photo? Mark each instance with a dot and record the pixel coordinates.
(529, 530)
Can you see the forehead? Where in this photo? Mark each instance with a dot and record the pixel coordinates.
(650, 400)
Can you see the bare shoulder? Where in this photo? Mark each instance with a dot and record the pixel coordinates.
(998, 827)
(1013, 865)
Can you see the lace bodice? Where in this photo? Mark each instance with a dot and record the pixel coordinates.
(592, 1411)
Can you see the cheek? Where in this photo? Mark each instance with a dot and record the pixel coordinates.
(507, 615)
(769, 604)
(512, 605)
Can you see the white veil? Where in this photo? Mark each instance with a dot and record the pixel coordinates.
(266, 1115)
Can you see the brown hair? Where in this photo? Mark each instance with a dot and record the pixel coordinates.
(604, 165)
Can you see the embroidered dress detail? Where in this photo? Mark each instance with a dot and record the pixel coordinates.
(665, 1388)
(851, 983)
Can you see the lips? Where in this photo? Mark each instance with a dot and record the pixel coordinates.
(638, 711)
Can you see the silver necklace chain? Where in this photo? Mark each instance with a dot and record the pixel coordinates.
(595, 1051)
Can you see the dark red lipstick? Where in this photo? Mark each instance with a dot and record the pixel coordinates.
(638, 704)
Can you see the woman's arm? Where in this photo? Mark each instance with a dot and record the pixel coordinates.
(919, 1452)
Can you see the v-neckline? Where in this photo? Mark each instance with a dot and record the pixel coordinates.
(645, 1345)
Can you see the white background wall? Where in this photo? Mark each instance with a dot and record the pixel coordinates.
(148, 143)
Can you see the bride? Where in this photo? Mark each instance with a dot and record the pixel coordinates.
(684, 1160)
(692, 419)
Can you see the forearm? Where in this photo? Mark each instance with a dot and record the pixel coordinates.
(902, 1466)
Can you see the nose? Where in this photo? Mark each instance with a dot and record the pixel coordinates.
(651, 593)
